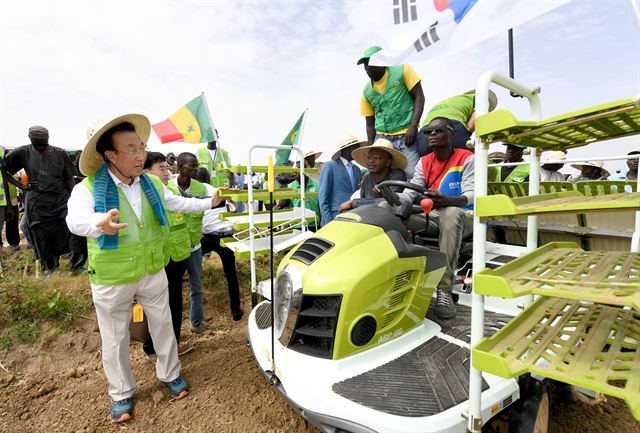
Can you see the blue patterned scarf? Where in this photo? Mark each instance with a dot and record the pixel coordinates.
(105, 197)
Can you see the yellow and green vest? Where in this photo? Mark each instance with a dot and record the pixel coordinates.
(141, 245)
(517, 175)
(193, 220)
(218, 177)
(178, 245)
(13, 191)
(394, 107)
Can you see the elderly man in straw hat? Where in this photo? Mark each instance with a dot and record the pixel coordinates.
(461, 111)
(590, 170)
(383, 163)
(339, 179)
(122, 212)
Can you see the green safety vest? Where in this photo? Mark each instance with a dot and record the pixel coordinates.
(13, 192)
(140, 245)
(178, 245)
(194, 220)
(218, 177)
(457, 108)
(518, 175)
(394, 108)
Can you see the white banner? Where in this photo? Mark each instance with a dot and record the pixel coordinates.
(421, 29)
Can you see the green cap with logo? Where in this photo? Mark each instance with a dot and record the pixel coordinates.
(368, 53)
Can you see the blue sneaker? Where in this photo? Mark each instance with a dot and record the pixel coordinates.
(178, 387)
(121, 410)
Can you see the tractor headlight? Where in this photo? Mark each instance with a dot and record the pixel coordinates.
(287, 298)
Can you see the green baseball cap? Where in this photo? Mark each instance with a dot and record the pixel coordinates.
(368, 53)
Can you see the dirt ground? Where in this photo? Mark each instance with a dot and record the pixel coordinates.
(57, 385)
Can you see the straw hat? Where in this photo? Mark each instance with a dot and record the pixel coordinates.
(312, 153)
(496, 157)
(552, 156)
(348, 141)
(398, 160)
(493, 99)
(598, 164)
(91, 160)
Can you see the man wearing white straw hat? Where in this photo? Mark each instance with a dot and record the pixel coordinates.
(551, 163)
(339, 178)
(384, 163)
(590, 170)
(122, 212)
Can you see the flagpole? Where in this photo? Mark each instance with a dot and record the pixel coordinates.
(303, 189)
(213, 130)
(512, 73)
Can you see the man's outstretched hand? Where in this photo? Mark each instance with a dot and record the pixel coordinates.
(109, 223)
(215, 198)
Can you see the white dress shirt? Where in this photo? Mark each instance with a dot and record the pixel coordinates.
(550, 176)
(82, 217)
(211, 222)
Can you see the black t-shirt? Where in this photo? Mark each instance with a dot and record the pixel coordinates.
(49, 170)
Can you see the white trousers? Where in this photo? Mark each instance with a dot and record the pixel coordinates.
(113, 309)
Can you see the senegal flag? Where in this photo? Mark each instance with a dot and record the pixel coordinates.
(190, 124)
(292, 139)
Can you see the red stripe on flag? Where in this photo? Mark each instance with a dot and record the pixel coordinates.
(167, 131)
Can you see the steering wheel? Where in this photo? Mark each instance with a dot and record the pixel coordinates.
(401, 184)
(426, 204)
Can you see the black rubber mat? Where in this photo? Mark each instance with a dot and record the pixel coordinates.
(431, 378)
(460, 326)
(263, 316)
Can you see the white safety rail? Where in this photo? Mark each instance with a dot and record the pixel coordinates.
(284, 241)
(480, 228)
(281, 242)
(278, 217)
(474, 415)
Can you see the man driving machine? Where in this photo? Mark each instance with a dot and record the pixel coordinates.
(446, 177)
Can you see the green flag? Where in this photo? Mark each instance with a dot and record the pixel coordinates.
(292, 139)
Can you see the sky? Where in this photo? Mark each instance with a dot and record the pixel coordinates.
(66, 64)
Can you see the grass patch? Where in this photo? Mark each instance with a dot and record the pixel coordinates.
(28, 303)
(24, 331)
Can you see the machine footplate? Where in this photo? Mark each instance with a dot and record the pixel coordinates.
(431, 378)
(460, 326)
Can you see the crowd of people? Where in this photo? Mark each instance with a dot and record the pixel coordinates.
(137, 221)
